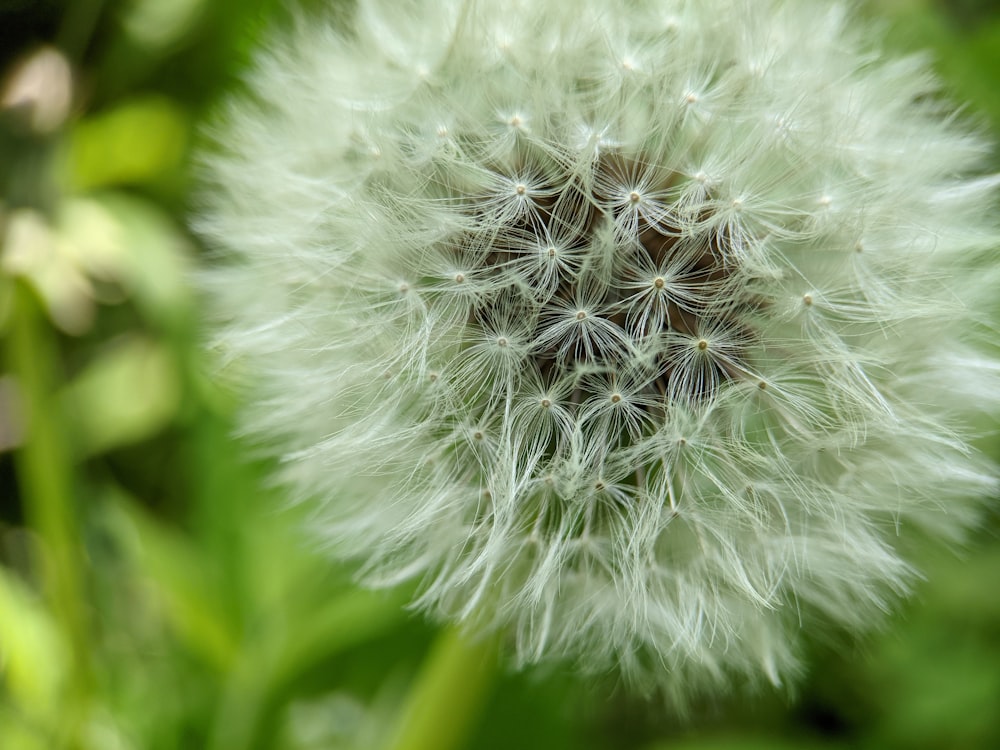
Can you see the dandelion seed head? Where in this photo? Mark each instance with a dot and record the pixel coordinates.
(602, 372)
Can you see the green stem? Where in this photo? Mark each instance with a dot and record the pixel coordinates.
(448, 696)
(45, 475)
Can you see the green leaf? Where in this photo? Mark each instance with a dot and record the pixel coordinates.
(33, 654)
(134, 143)
(130, 392)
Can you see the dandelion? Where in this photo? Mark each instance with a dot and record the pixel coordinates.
(647, 333)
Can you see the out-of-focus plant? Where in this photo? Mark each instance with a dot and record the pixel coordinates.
(119, 627)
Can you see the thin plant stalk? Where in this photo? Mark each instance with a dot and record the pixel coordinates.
(45, 476)
(448, 695)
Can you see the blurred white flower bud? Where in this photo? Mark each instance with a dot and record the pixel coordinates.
(40, 89)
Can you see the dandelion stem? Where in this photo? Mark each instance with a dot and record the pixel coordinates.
(448, 694)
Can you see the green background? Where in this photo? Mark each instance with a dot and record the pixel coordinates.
(156, 593)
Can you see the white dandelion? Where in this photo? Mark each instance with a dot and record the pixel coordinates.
(646, 333)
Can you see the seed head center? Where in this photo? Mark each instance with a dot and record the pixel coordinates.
(588, 304)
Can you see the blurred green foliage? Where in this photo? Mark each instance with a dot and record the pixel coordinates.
(155, 593)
